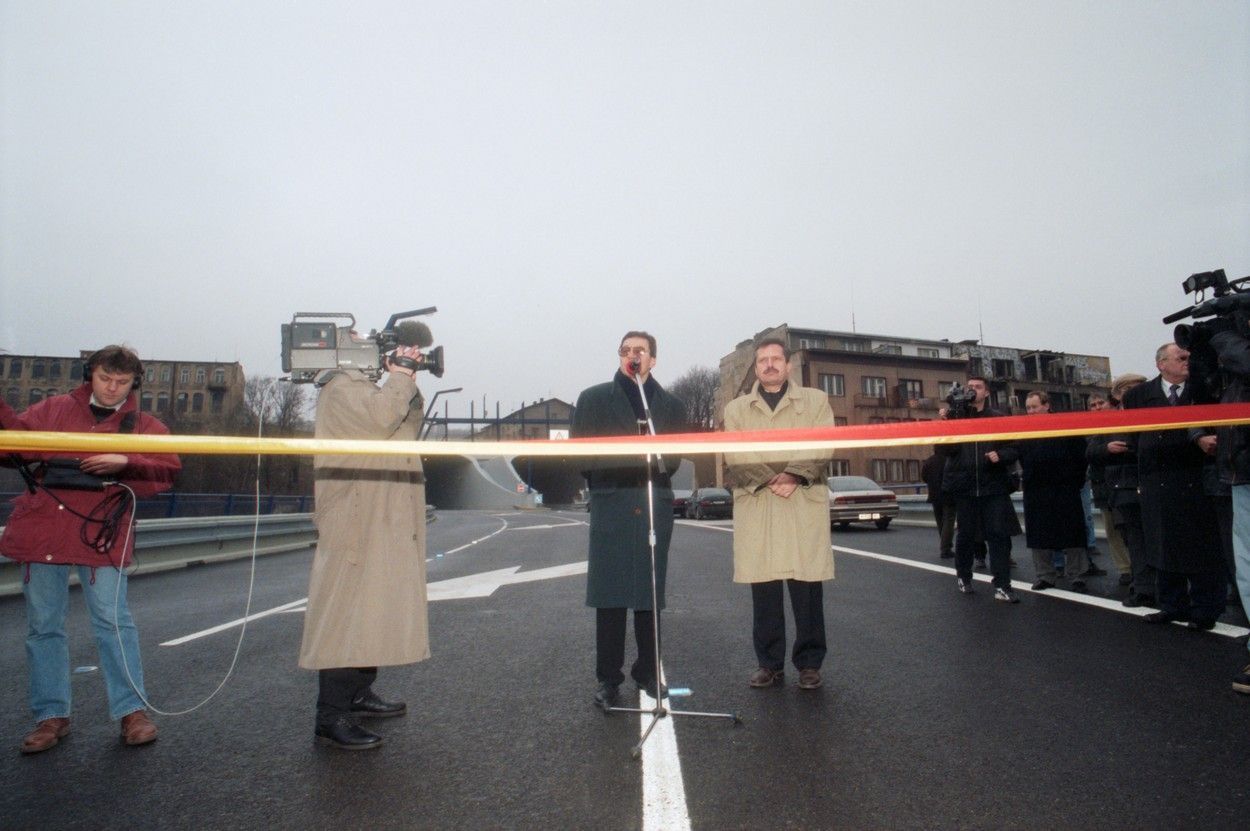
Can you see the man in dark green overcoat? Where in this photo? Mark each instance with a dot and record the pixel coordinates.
(619, 572)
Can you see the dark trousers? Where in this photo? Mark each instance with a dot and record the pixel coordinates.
(1145, 577)
(973, 528)
(338, 688)
(610, 646)
(944, 516)
(1201, 597)
(807, 601)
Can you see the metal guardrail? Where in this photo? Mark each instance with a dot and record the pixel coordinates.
(163, 544)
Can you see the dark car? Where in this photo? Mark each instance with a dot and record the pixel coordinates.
(680, 500)
(859, 499)
(708, 503)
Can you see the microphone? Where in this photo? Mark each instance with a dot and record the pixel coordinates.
(413, 333)
(635, 366)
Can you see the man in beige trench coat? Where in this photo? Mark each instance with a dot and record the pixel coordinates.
(781, 520)
(366, 594)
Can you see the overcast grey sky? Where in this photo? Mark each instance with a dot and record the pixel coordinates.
(185, 176)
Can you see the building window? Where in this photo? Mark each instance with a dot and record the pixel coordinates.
(839, 421)
(912, 389)
(162, 402)
(200, 375)
(219, 375)
(145, 401)
(1004, 368)
(149, 375)
(12, 396)
(880, 470)
(51, 392)
(75, 370)
(811, 343)
(928, 352)
(181, 402)
(54, 370)
(197, 403)
(36, 368)
(913, 470)
(216, 401)
(184, 375)
(35, 397)
(896, 470)
(15, 368)
(889, 349)
(166, 374)
(855, 346)
(872, 386)
(832, 384)
(944, 389)
(840, 467)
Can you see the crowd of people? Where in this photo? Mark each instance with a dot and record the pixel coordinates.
(1166, 498)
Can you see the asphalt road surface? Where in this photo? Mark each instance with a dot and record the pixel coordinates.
(939, 710)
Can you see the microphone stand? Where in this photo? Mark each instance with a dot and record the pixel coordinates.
(660, 710)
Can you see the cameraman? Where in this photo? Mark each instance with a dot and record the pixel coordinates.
(1233, 455)
(366, 594)
(978, 476)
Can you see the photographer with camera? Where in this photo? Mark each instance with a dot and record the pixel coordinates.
(78, 524)
(978, 476)
(367, 593)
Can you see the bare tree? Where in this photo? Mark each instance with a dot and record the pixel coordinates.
(697, 390)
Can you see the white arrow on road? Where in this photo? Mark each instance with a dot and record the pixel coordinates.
(457, 588)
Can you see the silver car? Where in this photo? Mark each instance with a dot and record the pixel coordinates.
(859, 499)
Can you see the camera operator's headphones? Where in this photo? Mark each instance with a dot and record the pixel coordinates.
(89, 368)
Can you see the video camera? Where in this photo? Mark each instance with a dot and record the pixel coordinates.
(1231, 309)
(312, 344)
(961, 400)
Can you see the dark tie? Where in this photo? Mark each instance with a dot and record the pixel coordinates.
(1172, 396)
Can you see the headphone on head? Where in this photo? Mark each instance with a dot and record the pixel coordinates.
(88, 369)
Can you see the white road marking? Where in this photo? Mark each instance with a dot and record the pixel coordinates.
(1019, 585)
(503, 527)
(663, 789)
(537, 527)
(1224, 629)
(224, 626)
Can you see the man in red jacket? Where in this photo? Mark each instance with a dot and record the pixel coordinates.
(62, 526)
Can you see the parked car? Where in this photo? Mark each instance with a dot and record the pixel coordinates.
(680, 500)
(707, 503)
(859, 499)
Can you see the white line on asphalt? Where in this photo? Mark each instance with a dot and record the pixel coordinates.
(239, 622)
(663, 790)
(498, 530)
(1019, 585)
(1224, 629)
(536, 527)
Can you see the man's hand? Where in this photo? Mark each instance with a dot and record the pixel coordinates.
(411, 352)
(783, 484)
(105, 464)
(992, 457)
(1117, 447)
(1207, 444)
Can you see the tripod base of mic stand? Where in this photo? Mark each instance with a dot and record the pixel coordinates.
(660, 711)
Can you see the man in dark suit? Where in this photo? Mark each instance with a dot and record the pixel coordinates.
(1178, 523)
(619, 571)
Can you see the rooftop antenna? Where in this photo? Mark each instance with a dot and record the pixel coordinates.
(980, 325)
(853, 309)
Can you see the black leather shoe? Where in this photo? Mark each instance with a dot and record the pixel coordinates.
(607, 695)
(1135, 600)
(1164, 617)
(368, 705)
(1043, 585)
(346, 734)
(1202, 625)
(1094, 571)
(649, 688)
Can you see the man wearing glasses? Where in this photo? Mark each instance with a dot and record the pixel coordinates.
(619, 571)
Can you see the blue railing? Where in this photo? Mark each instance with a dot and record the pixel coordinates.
(171, 505)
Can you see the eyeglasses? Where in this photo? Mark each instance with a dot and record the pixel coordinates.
(626, 351)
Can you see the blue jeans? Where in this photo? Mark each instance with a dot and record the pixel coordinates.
(47, 647)
(1241, 542)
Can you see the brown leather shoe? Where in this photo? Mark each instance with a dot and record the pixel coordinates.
(809, 679)
(764, 677)
(138, 729)
(45, 735)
